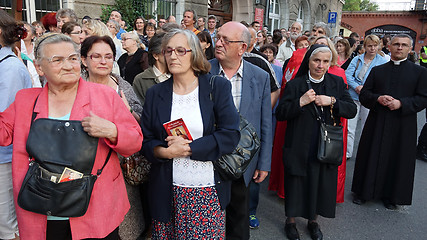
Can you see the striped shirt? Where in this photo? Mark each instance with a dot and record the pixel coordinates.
(236, 84)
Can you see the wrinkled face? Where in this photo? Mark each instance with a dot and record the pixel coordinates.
(116, 16)
(128, 42)
(303, 44)
(295, 30)
(77, 35)
(317, 32)
(269, 53)
(225, 50)
(112, 28)
(400, 48)
(371, 48)
(139, 24)
(59, 63)
(178, 64)
(60, 21)
(211, 23)
(319, 64)
(99, 59)
(188, 19)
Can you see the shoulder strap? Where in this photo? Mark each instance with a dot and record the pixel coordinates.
(8, 56)
(212, 83)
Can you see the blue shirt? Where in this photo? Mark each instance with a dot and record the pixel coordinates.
(14, 76)
(119, 34)
(353, 70)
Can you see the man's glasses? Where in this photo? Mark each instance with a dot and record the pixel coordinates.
(225, 41)
(179, 51)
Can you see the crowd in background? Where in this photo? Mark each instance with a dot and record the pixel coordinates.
(175, 57)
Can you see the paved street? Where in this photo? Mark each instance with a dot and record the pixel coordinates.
(370, 221)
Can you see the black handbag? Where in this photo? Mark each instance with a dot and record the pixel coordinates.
(330, 148)
(232, 166)
(52, 146)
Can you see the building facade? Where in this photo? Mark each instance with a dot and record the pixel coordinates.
(273, 13)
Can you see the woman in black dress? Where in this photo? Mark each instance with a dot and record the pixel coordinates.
(310, 186)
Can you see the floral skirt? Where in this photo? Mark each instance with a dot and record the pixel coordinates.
(196, 214)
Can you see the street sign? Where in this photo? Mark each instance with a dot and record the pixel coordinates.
(332, 17)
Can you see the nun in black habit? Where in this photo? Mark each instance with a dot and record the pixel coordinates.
(311, 186)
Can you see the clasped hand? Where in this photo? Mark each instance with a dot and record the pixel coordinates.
(389, 101)
(319, 100)
(178, 147)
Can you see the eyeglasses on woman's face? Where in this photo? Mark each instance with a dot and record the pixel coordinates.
(179, 51)
(58, 61)
(96, 57)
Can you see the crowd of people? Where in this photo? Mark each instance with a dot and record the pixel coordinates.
(123, 86)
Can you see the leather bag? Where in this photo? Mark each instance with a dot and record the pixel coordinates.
(135, 168)
(232, 166)
(53, 145)
(330, 148)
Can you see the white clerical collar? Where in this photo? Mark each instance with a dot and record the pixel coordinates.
(315, 80)
(397, 62)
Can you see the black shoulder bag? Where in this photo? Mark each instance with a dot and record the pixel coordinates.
(232, 166)
(52, 146)
(330, 149)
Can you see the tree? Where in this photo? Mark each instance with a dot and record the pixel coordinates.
(360, 5)
(129, 9)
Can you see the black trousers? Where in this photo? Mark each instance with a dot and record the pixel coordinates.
(237, 212)
(61, 230)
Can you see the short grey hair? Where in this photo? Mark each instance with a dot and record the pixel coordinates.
(115, 23)
(403, 35)
(246, 36)
(66, 12)
(51, 38)
(299, 24)
(324, 26)
(321, 49)
(133, 36)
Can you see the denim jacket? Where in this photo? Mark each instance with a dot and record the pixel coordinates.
(353, 70)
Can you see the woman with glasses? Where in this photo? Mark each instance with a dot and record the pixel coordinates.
(187, 198)
(74, 31)
(135, 60)
(98, 56)
(67, 97)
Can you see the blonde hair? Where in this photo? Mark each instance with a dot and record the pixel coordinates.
(98, 28)
(332, 47)
(372, 38)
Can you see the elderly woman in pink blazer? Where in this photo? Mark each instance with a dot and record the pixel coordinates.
(102, 114)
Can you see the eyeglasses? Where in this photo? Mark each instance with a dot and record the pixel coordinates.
(98, 57)
(58, 61)
(179, 51)
(225, 41)
(76, 33)
(403, 45)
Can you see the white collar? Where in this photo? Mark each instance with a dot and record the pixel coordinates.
(397, 62)
(315, 80)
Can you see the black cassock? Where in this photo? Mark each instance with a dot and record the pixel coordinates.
(385, 162)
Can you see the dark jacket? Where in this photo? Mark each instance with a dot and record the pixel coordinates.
(220, 136)
(301, 119)
(138, 63)
(143, 82)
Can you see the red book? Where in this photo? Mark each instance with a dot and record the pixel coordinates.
(177, 128)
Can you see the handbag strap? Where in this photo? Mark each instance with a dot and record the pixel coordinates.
(318, 115)
(99, 171)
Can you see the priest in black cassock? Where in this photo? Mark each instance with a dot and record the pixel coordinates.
(385, 163)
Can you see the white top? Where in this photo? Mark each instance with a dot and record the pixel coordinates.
(188, 172)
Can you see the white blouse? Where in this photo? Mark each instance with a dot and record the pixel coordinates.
(188, 172)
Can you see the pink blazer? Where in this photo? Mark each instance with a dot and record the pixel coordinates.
(109, 202)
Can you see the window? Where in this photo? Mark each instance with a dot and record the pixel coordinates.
(274, 15)
(33, 10)
(164, 9)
